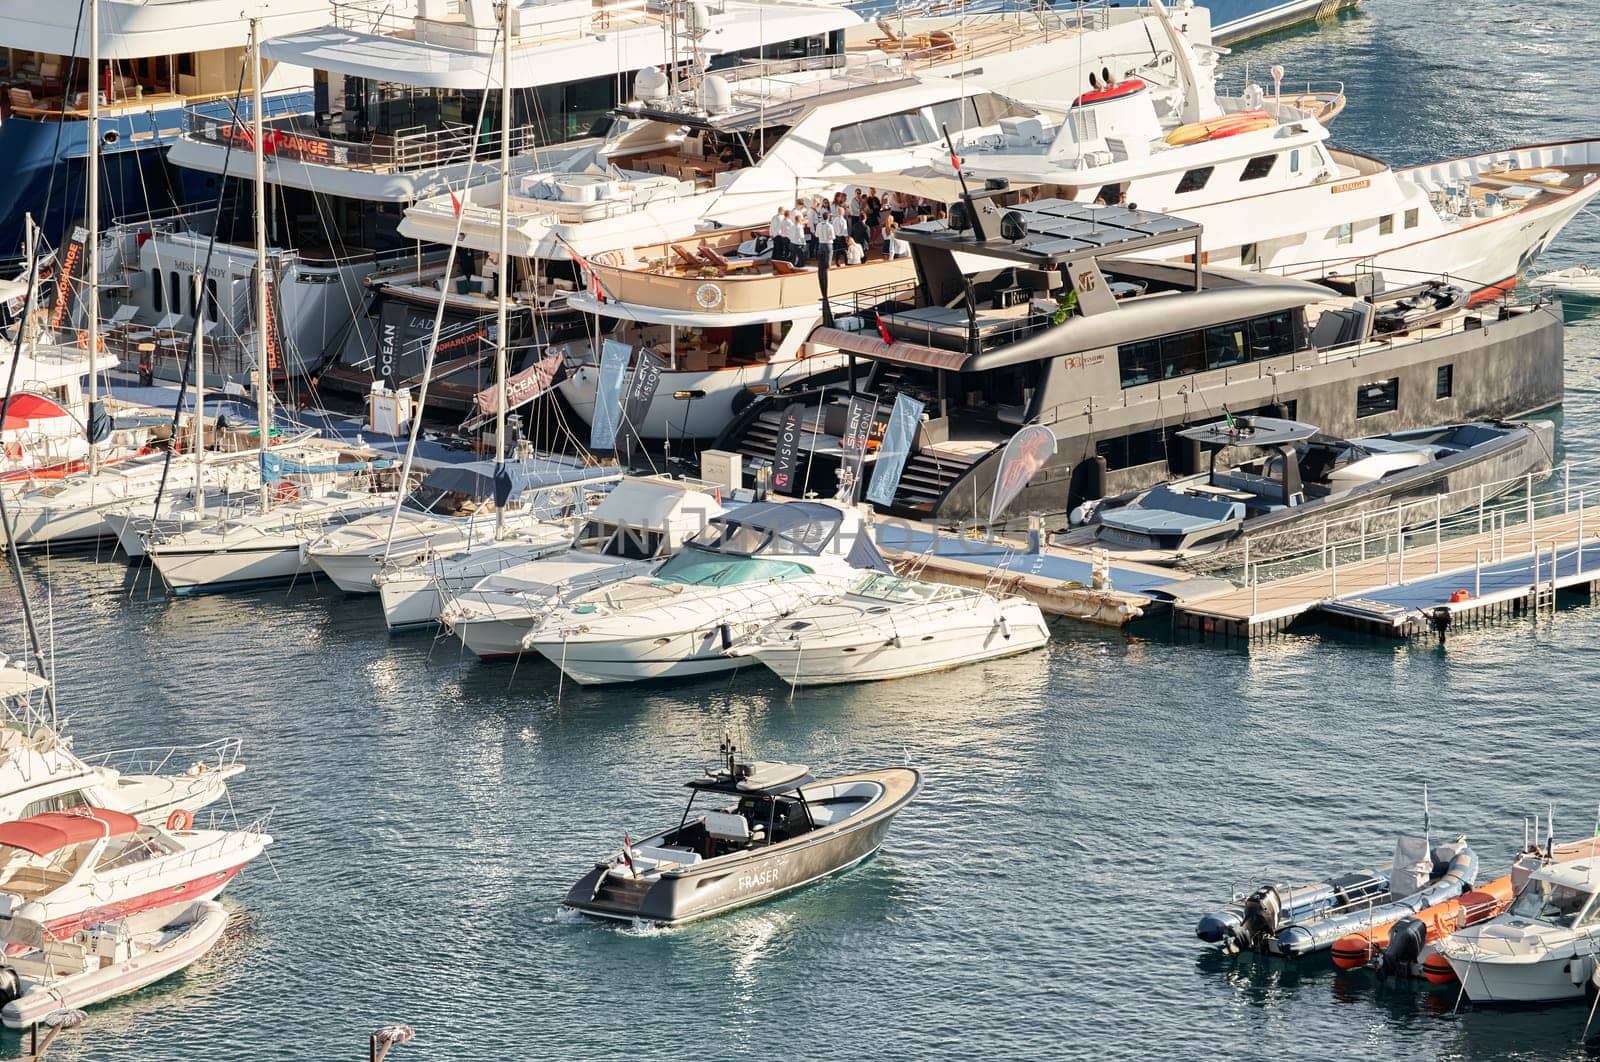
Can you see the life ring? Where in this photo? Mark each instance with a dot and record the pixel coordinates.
(709, 296)
(179, 820)
(13, 451)
(285, 491)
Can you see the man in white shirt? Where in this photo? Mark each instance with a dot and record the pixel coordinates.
(823, 230)
(778, 233)
(797, 239)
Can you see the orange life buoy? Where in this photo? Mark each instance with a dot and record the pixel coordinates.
(285, 491)
(14, 451)
(180, 819)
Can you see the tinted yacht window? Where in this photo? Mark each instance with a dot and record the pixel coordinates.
(1195, 179)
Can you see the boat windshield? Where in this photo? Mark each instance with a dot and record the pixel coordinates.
(432, 500)
(700, 567)
(894, 590)
(1550, 901)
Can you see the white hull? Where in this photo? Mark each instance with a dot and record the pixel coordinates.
(1521, 982)
(150, 961)
(882, 659)
(596, 664)
(185, 570)
(492, 639)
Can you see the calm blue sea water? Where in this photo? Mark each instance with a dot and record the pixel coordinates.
(1084, 805)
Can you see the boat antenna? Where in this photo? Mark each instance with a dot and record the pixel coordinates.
(1550, 831)
(966, 193)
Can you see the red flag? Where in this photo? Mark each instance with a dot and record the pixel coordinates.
(455, 204)
(955, 161)
(589, 275)
(627, 855)
(883, 330)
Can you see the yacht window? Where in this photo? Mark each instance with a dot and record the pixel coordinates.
(1258, 167)
(635, 543)
(1225, 345)
(1379, 396)
(1411, 218)
(1182, 354)
(211, 299)
(1444, 382)
(886, 133)
(1294, 161)
(1386, 225)
(174, 292)
(954, 115)
(1548, 901)
(1250, 255)
(157, 292)
(194, 296)
(1195, 179)
(1085, 126)
(737, 538)
(1140, 362)
(699, 567)
(1216, 347)
(1344, 233)
(58, 802)
(1273, 335)
(990, 108)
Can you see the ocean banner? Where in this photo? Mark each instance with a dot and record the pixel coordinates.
(1026, 452)
(896, 448)
(614, 358)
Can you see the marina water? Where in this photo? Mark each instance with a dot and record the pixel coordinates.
(1083, 805)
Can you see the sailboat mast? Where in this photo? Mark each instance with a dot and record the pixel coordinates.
(199, 402)
(92, 265)
(500, 359)
(263, 378)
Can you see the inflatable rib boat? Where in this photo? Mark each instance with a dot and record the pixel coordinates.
(1301, 920)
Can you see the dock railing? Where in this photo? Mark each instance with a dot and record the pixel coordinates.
(1516, 514)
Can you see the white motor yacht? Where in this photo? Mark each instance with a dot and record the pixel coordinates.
(1259, 173)
(640, 521)
(886, 626)
(454, 507)
(67, 870)
(40, 772)
(1543, 948)
(748, 568)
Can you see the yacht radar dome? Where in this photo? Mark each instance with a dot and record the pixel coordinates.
(714, 95)
(650, 84)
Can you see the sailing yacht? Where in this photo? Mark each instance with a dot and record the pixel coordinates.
(454, 509)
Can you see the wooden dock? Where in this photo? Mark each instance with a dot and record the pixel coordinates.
(1422, 586)
(1061, 580)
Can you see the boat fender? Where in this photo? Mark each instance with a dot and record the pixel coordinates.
(727, 637)
(1278, 410)
(1437, 970)
(179, 820)
(10, 986)
(1406, 938)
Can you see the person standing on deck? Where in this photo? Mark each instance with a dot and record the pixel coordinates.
(778, 233)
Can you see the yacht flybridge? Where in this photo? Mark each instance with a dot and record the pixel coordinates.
(403, 105)
(1070, 325)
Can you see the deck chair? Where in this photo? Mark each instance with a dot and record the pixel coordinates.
(716, 258)
(685, 257)
(162, 329)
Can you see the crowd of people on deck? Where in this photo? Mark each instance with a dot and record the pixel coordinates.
(856, 225)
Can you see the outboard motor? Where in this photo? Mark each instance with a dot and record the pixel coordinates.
(1263, 917)
(1406, 938)
(10, 986)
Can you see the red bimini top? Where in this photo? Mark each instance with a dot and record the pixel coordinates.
(55, 830)
(1111, 92)
(25, 408)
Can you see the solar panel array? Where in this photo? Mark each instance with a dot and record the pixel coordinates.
(1061, 227)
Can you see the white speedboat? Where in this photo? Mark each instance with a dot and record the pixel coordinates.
(453, 507)
(887, 626)
(747, 569)
(1543, 948)
(67, 870)
(639, 522)
(40, 772)
(261, 546)
(1581, 281)
(42, 973)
